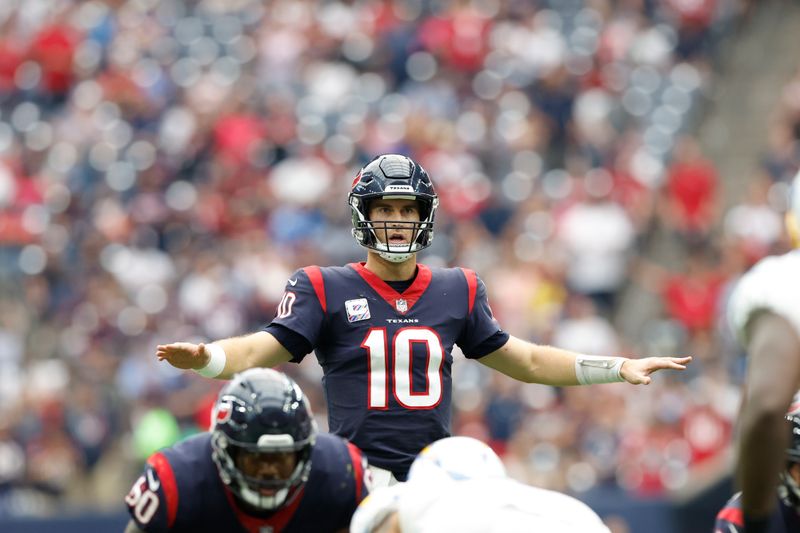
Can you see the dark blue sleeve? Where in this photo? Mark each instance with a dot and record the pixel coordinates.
(301, 310)
(148, 504)
(493, 343)
(295, 344)
(481, 334)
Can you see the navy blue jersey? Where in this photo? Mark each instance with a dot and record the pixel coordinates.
(386, 356)
(731, 520)
(180, 490)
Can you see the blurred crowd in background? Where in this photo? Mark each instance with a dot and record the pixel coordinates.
(165, 165)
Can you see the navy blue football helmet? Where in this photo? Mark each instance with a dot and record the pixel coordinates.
(392, 176)
(789, 489)
(262, 411)
(793, 451)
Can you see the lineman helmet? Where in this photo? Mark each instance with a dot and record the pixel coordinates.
(262, 414)
(789, 489)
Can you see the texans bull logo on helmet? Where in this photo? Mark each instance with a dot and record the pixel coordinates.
(223, 412)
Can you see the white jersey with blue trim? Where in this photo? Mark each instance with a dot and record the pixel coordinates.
(493, 506)
(772, 285)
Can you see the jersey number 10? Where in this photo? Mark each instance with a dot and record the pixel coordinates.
(378, 355)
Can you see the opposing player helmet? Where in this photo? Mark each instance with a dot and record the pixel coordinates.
(793, 451)
(392, 176)
(262, 416)
(456, 459)
(789, 489)
(376, 508)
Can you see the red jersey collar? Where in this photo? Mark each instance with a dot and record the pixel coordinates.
(402, 303)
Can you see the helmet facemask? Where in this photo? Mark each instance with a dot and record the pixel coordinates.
(262, 411)
(789, 489)
(392, 177)
(367, 232)
(227, 454)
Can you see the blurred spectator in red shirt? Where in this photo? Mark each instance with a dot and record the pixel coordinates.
(694, 20)
(692, 296)
(53, 49)
(691, 190)
(458, 38)
(11, 57)
(238, 136)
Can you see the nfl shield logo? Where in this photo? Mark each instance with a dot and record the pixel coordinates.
(401, 305)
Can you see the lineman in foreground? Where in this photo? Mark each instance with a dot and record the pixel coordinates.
(262, 467)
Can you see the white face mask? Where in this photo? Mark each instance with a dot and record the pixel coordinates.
(366, 234)
(399, 253)
(264, 502)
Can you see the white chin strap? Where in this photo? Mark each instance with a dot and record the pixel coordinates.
(396, 253)
(395, 257)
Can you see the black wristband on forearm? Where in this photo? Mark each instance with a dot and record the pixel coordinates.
(754, 524)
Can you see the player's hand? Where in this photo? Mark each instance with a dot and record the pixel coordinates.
(183, 355)
(637, 371)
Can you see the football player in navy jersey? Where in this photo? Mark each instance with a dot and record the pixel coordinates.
(263, 467)
(384, 330)
(785, 517)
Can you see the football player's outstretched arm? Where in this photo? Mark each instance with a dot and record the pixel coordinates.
(259, 349)
(773, 377)
(535, 363)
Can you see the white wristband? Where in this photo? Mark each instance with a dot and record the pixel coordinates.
(216, 361)
(592, 369)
